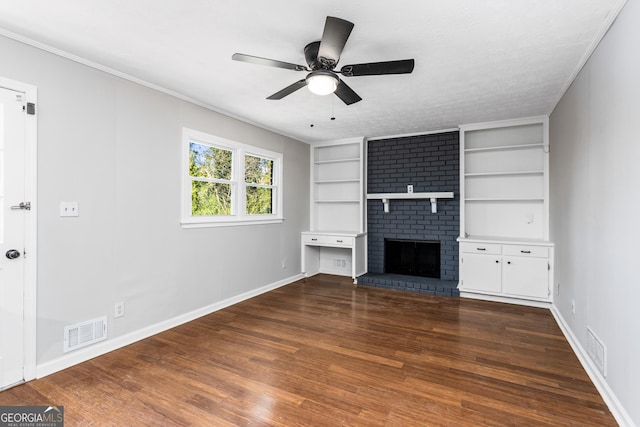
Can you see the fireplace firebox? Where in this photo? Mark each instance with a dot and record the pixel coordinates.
(412, 258)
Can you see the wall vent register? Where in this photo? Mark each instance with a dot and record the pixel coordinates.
(85, 333)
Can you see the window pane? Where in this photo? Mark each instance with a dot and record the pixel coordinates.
(258, 170)
(209, 162)
(210, 198)
(259, 200)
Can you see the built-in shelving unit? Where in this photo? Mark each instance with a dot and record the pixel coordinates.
(337, 188)
(505, 253)
(504, 179)
(336, 241)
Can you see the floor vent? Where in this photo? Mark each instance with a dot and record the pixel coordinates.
(85, 333)
(597, 351)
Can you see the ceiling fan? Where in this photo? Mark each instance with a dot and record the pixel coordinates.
(322, 57)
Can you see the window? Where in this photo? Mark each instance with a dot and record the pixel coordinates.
(228, 183)
(258, 178)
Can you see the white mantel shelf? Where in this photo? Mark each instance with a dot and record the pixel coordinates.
(433, 197)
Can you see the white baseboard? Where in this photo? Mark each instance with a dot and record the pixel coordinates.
(609, 397)
(508, 300)
(109, 345)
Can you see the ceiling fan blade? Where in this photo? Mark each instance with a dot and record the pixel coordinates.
(268, 62)
(346, 94)
(335, 35)
(289, 89)
(404, 66)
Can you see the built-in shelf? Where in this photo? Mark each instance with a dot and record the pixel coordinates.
(337, 201)
(505, 254)
(335, 181)
(504, 199)
(500, 240)
(337, 185)
(536, 172)
(433, 197)
(504, 147)
(324, 162)
(504, 178)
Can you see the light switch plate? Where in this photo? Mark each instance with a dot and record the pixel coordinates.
(69, 209)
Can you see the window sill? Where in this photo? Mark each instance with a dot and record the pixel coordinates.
(229, 223)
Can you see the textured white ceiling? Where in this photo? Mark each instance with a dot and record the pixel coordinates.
(475, 60)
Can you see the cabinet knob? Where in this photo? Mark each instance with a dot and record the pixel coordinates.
(508, 262)
(497, 261)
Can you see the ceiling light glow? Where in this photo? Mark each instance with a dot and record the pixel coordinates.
(322, 82)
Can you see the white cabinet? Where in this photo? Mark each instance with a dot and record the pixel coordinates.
(482, 268)
(505, 253)
(340, 253)
(507, 270)
(336, 242)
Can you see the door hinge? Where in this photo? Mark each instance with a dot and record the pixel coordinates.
(22, 206)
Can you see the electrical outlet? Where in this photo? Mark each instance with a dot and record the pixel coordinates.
(69, 209)
(409, 188)
(284, 263)
(118, 309)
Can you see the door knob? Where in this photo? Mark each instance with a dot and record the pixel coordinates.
(12, 254)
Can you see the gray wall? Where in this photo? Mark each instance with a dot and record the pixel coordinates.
(595, 204)
(114, 146)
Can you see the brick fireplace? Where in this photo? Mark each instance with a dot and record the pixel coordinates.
(431, 164)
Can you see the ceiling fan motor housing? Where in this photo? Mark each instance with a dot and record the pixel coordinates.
(315, 63)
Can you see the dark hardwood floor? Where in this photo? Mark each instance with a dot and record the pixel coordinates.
(320, 352)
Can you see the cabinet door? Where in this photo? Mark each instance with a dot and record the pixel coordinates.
(526, 277)
(481, 273)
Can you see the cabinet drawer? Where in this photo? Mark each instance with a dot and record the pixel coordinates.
(339, 240)
(312, 239)
(324, 240)
(481, 248)
(530, 251)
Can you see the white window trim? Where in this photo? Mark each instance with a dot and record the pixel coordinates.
(238, 186)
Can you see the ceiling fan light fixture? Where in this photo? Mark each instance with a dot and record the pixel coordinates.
(322, 82)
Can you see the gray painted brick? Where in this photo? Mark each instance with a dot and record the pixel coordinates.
(429, 163)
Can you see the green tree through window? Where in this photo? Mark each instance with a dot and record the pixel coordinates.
(227, 183)
(211, 172)
(258, 176)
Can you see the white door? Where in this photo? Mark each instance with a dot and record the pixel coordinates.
(12, 237)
